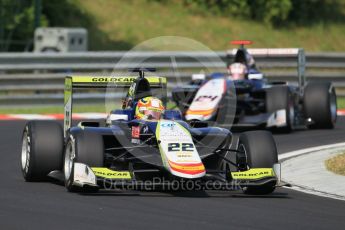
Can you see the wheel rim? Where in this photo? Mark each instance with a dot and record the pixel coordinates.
(25, 156)
(333, 104)
(69, 159)
(291, 113)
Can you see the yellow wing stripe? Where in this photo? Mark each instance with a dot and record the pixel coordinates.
(111, 174)
(252, 174)
(118, 80)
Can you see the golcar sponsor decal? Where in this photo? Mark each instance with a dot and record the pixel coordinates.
(113, 79)
(252, 174)
(111, 174)
(106, 79)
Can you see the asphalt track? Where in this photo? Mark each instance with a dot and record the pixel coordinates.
(49, 206)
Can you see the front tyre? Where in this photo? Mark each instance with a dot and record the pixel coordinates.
(261, 152)
(320, 104)
(277, 98)
(83, 147)
(42, 149)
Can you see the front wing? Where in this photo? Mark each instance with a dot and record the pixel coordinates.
(104, 178)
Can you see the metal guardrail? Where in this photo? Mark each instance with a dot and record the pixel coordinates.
(31, 78)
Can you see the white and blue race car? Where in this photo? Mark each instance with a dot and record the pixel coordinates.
(259, 103)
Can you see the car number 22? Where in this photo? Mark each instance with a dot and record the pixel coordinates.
(175, 147)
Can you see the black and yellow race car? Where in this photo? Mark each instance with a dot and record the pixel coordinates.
(131, 153)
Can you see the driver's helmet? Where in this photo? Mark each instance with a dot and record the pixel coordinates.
(237, 71)
(149, 108)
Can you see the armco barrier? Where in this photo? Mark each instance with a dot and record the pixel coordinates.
(31, 78)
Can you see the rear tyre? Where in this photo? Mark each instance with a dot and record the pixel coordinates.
(261, 152)
(320, 104)
(42, 149)
(83, 147)
(277, 98)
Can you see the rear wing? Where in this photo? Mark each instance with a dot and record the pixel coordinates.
(100, 82)
(297, 53)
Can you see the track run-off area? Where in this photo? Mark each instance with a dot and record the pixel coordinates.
(49, 206)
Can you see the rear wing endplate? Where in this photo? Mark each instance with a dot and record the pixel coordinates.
(99, 82)
(298, 53)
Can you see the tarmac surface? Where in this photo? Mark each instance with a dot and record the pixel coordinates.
(49, 206)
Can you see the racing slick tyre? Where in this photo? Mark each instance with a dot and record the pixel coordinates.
(277, 98)
(320, 104)
(261, 152)
(82, 147)
(42, 149)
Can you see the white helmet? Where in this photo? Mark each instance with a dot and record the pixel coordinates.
(237, 71)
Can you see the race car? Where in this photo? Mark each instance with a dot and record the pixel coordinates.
(259, 103)
(145, 146)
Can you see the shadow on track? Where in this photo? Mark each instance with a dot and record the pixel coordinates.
(187, 194)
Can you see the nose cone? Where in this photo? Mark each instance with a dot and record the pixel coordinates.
(178, 152)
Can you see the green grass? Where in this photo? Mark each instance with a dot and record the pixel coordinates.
(119, 24)
(336, 164)
(341, 103)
